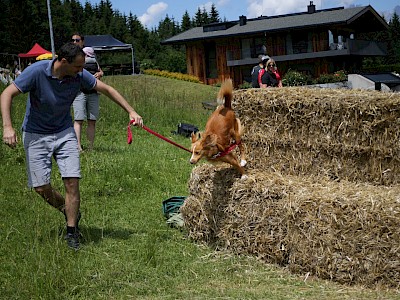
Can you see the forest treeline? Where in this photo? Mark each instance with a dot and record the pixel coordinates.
(25, 22)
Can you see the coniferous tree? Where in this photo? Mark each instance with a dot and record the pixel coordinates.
(88, 10)
(13, 35)
(198, 18)
(139, 37)
(204, 16)
(39, 21)
(186, 23)
(62, 14)
(105, 11)
(118, 28)
(214, 15)
(167, 28)
(394, 39)
(76, 11)
(4, 33)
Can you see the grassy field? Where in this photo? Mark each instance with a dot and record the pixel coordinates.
(129, 252)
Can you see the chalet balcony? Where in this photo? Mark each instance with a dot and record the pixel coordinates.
(348, 48)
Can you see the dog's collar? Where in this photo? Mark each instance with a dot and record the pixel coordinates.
(226, 151)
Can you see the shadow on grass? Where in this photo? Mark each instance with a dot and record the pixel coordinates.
(104, 149)
(96, 235)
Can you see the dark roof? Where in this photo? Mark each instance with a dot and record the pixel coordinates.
(105, 42)
(281, 23)
(387, 78)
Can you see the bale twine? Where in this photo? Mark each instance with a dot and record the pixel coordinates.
(342, 231)
(322, 197)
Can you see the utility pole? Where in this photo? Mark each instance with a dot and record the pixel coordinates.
(51, 29)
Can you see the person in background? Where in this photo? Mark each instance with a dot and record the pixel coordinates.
(2, 78)
(47, 129)
(86, 104)
(78, 39)
(6, 77)
(17, 70)
(271, 77)
(262, 60)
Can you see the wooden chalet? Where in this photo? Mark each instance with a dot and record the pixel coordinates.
(314, 42)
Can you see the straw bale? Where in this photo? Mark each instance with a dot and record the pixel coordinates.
(344, 134)
(343, 231)
(322, 195)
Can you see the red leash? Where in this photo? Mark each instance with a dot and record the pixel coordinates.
(154, 133)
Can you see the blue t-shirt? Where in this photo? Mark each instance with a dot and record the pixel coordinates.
(48, 108)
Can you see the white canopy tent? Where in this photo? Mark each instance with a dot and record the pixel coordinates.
(107, 42)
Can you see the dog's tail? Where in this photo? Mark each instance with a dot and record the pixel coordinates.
(225, 94)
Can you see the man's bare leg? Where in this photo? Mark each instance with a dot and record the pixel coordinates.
(91, 132)
(53, 197)
(72, 200)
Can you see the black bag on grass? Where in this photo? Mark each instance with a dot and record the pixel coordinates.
(186, 129)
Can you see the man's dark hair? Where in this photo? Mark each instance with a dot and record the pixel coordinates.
(70, 51)
(80, 35)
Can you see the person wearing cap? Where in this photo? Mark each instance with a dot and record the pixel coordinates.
(262, 59)
(79, 40)
(86, 103)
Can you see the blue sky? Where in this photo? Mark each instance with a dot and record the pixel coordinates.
(151, 12)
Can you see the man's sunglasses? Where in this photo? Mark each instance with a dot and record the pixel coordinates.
(76, 40)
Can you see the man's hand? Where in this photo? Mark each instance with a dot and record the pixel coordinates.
(9, 136)
(138, 119)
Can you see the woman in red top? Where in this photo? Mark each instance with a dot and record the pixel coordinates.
(271, 77)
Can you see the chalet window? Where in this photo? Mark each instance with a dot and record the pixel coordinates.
(211, 60)
(300, 42)
(252, 48)
(330, 36)
(259, 47)
(246, 48)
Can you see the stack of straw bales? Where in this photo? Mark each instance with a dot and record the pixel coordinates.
(323, 193)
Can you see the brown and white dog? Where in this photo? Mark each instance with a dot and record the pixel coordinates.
(222, 133)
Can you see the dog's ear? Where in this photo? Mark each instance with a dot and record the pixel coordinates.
(211, 140)
(195, 136)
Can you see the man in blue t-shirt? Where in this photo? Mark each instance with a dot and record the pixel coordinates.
(48, 129)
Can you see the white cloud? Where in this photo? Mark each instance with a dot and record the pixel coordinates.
(346, 3)
(207, 6)
(153, 13)
(221, 3)
(257, 8)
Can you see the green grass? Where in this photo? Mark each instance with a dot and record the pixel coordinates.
(129, 252)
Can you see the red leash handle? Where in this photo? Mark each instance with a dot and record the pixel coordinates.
(129, 139)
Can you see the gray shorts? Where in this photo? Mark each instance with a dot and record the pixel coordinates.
(39, 150)
(86, 106)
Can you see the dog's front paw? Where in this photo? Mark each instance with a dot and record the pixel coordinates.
(243, 162)
(244, 177)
